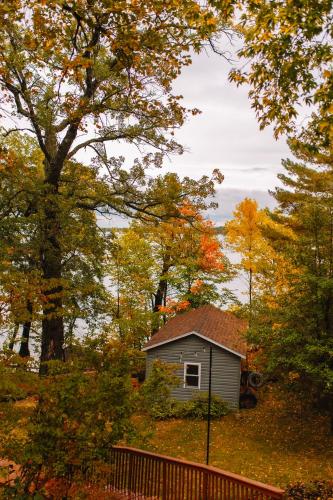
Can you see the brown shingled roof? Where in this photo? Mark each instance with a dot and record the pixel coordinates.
(221, 327)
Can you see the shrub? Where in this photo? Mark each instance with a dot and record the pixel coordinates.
(170, 409)
(197, 408)
(80, 415)
(17, 380)
(9, 390)
(313, 490)
(155, 392)
(157, 402)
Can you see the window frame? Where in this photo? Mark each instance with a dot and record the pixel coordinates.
(186, 364)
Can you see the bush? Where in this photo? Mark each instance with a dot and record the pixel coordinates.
(156, 401)
(314, 490)
(169, 409)
(17, 381)
(9, 390)
(80, 415)
(197, 408)
(155, 392)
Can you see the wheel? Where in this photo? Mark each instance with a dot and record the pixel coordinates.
(247, 401)
(255, 379)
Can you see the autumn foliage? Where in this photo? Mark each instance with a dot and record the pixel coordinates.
(78, 75)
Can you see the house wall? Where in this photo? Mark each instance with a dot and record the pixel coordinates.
(225, 367)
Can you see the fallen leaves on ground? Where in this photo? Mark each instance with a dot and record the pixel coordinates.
(279, 442)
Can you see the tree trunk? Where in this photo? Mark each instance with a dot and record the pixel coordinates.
(13, 337)
(24, 347)
(160, 295)
(51, 264)
(250, 295)
(159, 301)
(329, 313)
(250, 288)
(330, 412)
(70, 333)
(329, 300)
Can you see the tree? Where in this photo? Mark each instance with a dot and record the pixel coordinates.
(244, 234)
(165, 267)
(198, 269)
(81, 74)
(288, 47)
(130, 271)
(295, 329)
(21, 284)
(185, 246)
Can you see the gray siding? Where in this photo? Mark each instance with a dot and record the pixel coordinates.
(225, 367)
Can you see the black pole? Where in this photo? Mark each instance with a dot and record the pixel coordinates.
(209, 404)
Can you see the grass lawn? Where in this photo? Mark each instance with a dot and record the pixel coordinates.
(277, 443)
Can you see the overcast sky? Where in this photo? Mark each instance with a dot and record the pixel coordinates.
(226, 136)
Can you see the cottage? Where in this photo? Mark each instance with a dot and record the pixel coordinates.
(186, 340)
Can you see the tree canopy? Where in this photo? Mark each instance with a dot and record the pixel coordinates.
(288, 52)
(79, 74)
(293, 313)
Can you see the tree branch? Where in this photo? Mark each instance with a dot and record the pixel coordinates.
(28, 114)
(96, 140)
(16, 129)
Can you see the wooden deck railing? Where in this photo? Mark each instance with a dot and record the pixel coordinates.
(140, 474)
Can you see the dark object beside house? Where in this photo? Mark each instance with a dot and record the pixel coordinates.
(250, 382)
(186, 340)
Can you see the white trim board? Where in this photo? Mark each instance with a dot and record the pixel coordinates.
(198, 335)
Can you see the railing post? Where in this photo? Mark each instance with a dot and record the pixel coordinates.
(164, 482)
(205, 486)
(130, 476)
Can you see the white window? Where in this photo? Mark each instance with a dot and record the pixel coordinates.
(192, 375)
